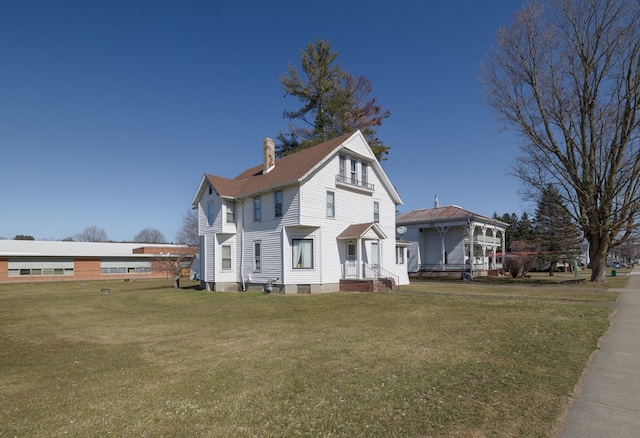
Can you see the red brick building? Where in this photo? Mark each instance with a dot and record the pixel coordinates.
(33, 260)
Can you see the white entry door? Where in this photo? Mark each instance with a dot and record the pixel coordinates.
(375, 255)
(350, 266)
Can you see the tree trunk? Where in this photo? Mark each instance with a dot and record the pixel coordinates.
(598, 256)
(176, 280)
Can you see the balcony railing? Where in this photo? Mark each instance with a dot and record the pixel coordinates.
(345, 179)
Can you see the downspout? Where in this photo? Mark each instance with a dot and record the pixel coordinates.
(241, 226)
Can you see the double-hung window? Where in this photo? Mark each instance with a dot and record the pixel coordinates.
(226, 257)
(331, 204)
(278, 203)
(257, 256)
(231, 212)
(302, 253)
(354, 172)
(257, 209)
(399, 255)
(364, 174)
(376, 211)
(343, 168)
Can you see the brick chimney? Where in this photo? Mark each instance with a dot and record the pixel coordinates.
(269, 155)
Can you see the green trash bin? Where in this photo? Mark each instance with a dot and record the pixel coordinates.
(614, 272)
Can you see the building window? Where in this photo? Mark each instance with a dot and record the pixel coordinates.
(376, 211)
(343, 168)
(226, 257)
(354, 173)
(399, 255)
(365, 175)
(210, 213)
(231, 212)
(331, 205)
(257, 209)
(278, 203)
(302, 253)
(257, 256)
(124, 266)
(39, 267)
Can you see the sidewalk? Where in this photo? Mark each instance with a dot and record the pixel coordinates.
(607, 401)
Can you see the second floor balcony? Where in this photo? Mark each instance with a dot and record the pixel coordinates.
(350, 180)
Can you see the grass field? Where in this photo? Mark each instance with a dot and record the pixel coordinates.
(495, 358)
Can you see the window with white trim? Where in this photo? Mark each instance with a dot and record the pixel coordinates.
(364, 174)
(257, 209)
(231, 212)
(376, 211)
(399, 255)
(331, 204)
(278, 202)
(257, 256)
(354, 171)
(225, 252)
(343, 168)
(302, 252)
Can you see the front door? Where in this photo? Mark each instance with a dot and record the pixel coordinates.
(375, 255)
(350, 266)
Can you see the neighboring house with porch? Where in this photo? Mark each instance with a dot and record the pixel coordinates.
(318, 220)
(446, 241)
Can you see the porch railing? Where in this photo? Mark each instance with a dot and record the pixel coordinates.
(368, 271)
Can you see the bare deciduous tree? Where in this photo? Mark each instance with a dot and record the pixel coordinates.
(172, 263)
(149, 235)
(565, 75)
(92, 234)
(188, 234)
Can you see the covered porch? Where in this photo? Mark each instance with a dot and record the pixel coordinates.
(449, 241)
(360, 259)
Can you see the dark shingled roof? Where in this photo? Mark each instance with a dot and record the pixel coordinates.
(354, 231)
(287, 170)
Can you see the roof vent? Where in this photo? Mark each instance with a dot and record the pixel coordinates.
(269, 155)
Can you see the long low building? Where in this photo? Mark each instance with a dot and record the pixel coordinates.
(37, 260)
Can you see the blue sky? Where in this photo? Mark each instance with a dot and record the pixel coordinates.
(111, 111)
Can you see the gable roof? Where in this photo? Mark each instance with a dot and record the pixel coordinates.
(356, 231)
(289, 169)
(449, 213)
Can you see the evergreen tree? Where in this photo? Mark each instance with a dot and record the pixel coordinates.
(334, 102)
(557, 235)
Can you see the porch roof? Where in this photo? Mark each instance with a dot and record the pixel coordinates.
(357, 231)
(449, 213)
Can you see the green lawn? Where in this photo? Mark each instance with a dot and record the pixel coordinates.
(465, 359)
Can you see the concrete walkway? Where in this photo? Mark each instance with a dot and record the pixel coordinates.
(607, 401)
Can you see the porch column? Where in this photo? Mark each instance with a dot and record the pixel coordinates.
(503, 245)
(484, 247)
(359, 258)
(442, 231)
(471, 243)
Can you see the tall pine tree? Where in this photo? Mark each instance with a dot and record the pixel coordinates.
(557, 235)
(334, 102)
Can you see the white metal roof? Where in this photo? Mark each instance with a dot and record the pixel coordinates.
(46, 248)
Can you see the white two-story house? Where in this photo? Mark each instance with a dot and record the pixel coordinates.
(318, 220)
